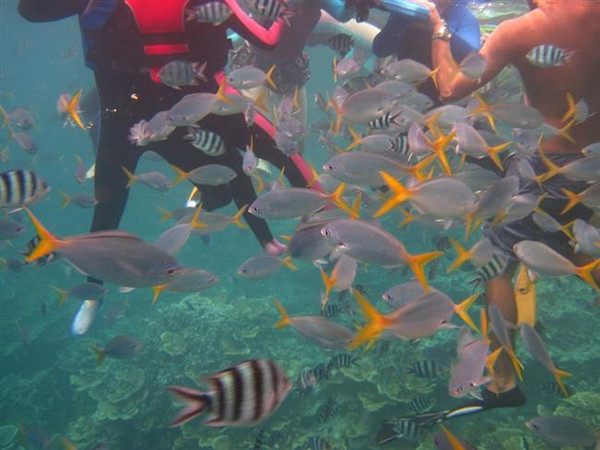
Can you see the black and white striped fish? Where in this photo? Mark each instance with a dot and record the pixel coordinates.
(421, 404)
(342, 43)
(20, 188)
(548, 55)
(433, 270)
(207, 142)
(387, 121)
(212, 12)
(321, 371)
(270, 9)
(332, 310)
(342, 360)
(242, 395)
(397, 429)
(425, 368)
(494, 268)
(180, 73)
(306, 382)
(400, 145)
(328, 410)
(317, 443)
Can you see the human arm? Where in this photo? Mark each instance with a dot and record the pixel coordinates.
(252, 31)
(47, 11)
(466, 35)
(387, 40)
(500, 49)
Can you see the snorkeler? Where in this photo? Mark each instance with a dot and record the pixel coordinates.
(126, 43)
(410, 37)
(566, 26)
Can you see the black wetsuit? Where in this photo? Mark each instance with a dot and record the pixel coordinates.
(128, 95)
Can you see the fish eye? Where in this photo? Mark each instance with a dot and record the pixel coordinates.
(253, 209)
(326, 232)
(328, 167)
(459, 388)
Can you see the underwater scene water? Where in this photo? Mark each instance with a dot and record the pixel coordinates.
(54, 393)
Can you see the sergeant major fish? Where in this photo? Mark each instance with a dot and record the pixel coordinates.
(242, 395)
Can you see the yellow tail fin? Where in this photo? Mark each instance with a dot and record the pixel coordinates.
(285, 318)
(157, 290)
(47, 244)
(493, 152)
(356, 139)
(71, 109)
(236, 219)
(571, 109)
(287, 262)
(269, 78)
(221, 95)
(558, 376)
(399, 194)
(130, 177)
(417, 264)
(375, 323)
(462, 309)
(329, 283)
(453, 440)
(585, 272)
(62, 295)
(181, 175)
(462, 256)
(490, 361)
(65, 200)
(99, 354)
(164, 214)
(574, 199)
(515, 362)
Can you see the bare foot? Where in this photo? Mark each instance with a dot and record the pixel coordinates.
(275, 248)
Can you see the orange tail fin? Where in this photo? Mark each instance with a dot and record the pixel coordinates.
(285, 318)
(99, 354)
(375, 323)
(47, 244)
(417, 264)
(585, 272)
(462, 256)
(399, 194)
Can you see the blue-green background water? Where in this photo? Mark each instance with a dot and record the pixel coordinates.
(51, 382)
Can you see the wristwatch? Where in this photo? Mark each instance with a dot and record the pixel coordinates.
(442, 33)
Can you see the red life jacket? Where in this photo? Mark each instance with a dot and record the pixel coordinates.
(162, 27)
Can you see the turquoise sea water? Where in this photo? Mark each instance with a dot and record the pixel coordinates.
(51, 386)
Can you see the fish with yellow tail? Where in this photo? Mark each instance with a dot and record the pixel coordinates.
(68, 108)
(480, 254)
(500, 328)
(113, 256)
(416, 319)
(533, 342)
(317, 329)
(443, 198)
(369, 243)
(543, 260)
(341, 279)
